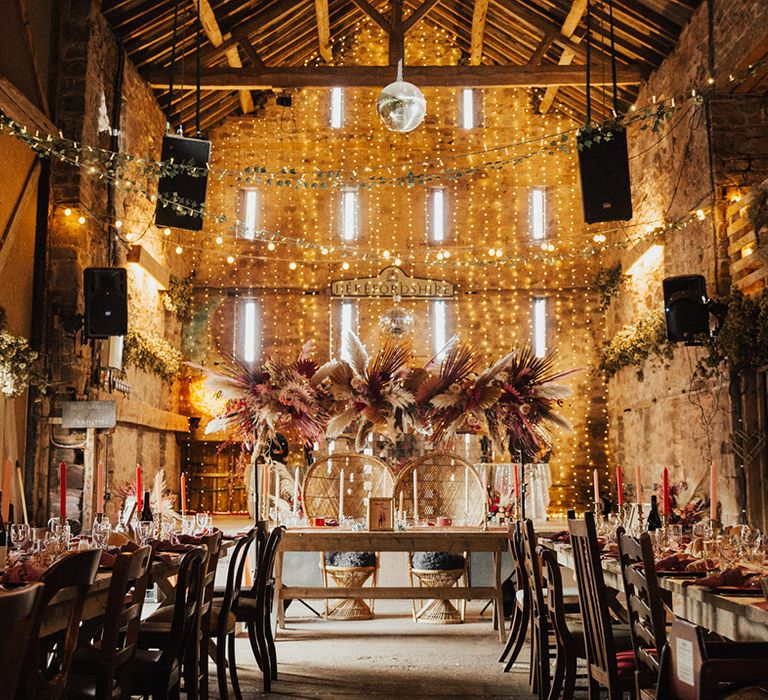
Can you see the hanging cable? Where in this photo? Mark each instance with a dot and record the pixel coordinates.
(613, 61)
(197, 72)
(172, 66)
(589, 60)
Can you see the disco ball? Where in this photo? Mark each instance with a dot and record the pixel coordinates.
(401, 106)
(396, 322)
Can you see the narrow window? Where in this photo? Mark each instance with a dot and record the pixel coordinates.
(349, 215)
(250, 344)
(538, 213)
(337, 108)
(348, 323)
(467, 108)
(250, 210)
(439, 327)
(540, 326)
(437, 214)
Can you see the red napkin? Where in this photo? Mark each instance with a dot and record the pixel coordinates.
(675, 562)
(730, 577)
(168, 546)
(23, 572)
(108, 559)
(562, 536)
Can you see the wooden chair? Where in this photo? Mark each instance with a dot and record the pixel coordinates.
(604, 667)
(442, 479)
(255, 609)
(647, 619)
(19, 614)
(223, 619)
(162, 649)
(693, 669)
(521, 614)
(101, 665)
(49, 661)
(364, 476)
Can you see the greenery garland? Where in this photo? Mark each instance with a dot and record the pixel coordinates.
(608, 281)
(19, 364)
(152, 353)
(178, 297)
(635, 343)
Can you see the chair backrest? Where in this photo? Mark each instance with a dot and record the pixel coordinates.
(532, 565)
(212, 544)
(235, 574)
(266, 565)
(18, 612)
(364, 477)
(647, 621)
(681, 664)
(553, 579)
(515, 542)
(593, 600)
(122, 616)
(446, 486)
(72, 577)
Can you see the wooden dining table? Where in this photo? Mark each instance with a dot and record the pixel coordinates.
(425, 539)
(741, 617)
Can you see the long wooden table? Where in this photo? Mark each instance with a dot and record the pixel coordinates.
(734, 617)
(454, 539)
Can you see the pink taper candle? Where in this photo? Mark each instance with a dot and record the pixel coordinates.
(183, 493)
(596, 482)
(6, 487)
(63, 492)
(639, 485)
(100, 487)
(713, 492)
(619, 486)
(666, 493)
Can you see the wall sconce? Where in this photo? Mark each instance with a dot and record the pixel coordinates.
(141, 257)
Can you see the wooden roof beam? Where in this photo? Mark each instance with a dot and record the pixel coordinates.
(374, 14)
(323, 30)
(213, 32)
(375, 76)
(572, 19)
(418, 14)
(479, 15)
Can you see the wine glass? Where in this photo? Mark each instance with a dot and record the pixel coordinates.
(100, 533)
(728, 547)
(144, 530)
(20, 535)
(201, 519)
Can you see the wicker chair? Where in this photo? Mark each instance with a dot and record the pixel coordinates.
(364, 477)
(441, 481)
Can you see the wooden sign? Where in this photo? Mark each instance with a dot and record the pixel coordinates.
(393, 282)
(88, 414)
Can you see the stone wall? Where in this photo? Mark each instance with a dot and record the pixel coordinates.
(146, 431)
(706, 158)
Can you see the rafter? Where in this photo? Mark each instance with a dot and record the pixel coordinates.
(572, 19)
(248, 48)
(374, 76)
(323, 29)
(418, 14)
(213, 32)
(374, 14)
(479, 14)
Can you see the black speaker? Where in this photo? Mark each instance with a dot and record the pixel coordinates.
(686, 308)
(106, 301)
(183, 187)
(604, 169)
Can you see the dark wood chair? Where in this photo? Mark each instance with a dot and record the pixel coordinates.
(604, 667)
(102, 665)
(647, 619)
(692, 668)
(18, 613)
(521, 614)
(223, 620)
(162, 648)
(254, 608)
(49, 660)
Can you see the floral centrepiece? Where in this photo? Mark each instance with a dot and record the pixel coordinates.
(514, 402)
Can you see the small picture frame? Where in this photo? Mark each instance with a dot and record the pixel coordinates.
(381, 514)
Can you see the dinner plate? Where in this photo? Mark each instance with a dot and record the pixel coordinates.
(681, 574)
(735, 591)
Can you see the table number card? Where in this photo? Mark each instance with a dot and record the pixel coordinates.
(684, 661)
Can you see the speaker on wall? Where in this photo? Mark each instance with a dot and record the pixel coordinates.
(605, 187)
(106, 301)
(182, 187)
(686, 308)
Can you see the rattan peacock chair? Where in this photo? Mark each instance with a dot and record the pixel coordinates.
(442, 480)
(364, 477)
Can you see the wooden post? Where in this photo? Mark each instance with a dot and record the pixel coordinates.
(90, 457)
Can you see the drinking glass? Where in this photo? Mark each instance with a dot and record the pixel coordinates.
(728, 547)
(20, 535)
(100, 534)
(144, 530)
(675, 536)
(202, 521)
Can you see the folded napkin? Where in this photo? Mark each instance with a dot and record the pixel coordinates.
(169, 546)
(735, 578)
(562, 536)
(23, 572)
(674, 562)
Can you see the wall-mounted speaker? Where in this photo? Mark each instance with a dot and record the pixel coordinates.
(106, 301)
(686, 308)
(182, 187)
(605, 188)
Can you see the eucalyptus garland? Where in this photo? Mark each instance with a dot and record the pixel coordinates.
(178, 297)
(635, 343)
(608, 282)
(19, 364)
(152, 353)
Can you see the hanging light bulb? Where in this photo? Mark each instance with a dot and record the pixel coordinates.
(401, 105)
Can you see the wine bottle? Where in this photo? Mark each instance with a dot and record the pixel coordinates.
(8, 528)
(146, 511)
(654, 521)
(3, 536)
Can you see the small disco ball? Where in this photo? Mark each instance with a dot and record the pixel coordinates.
(401, 106)
(397, 322)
